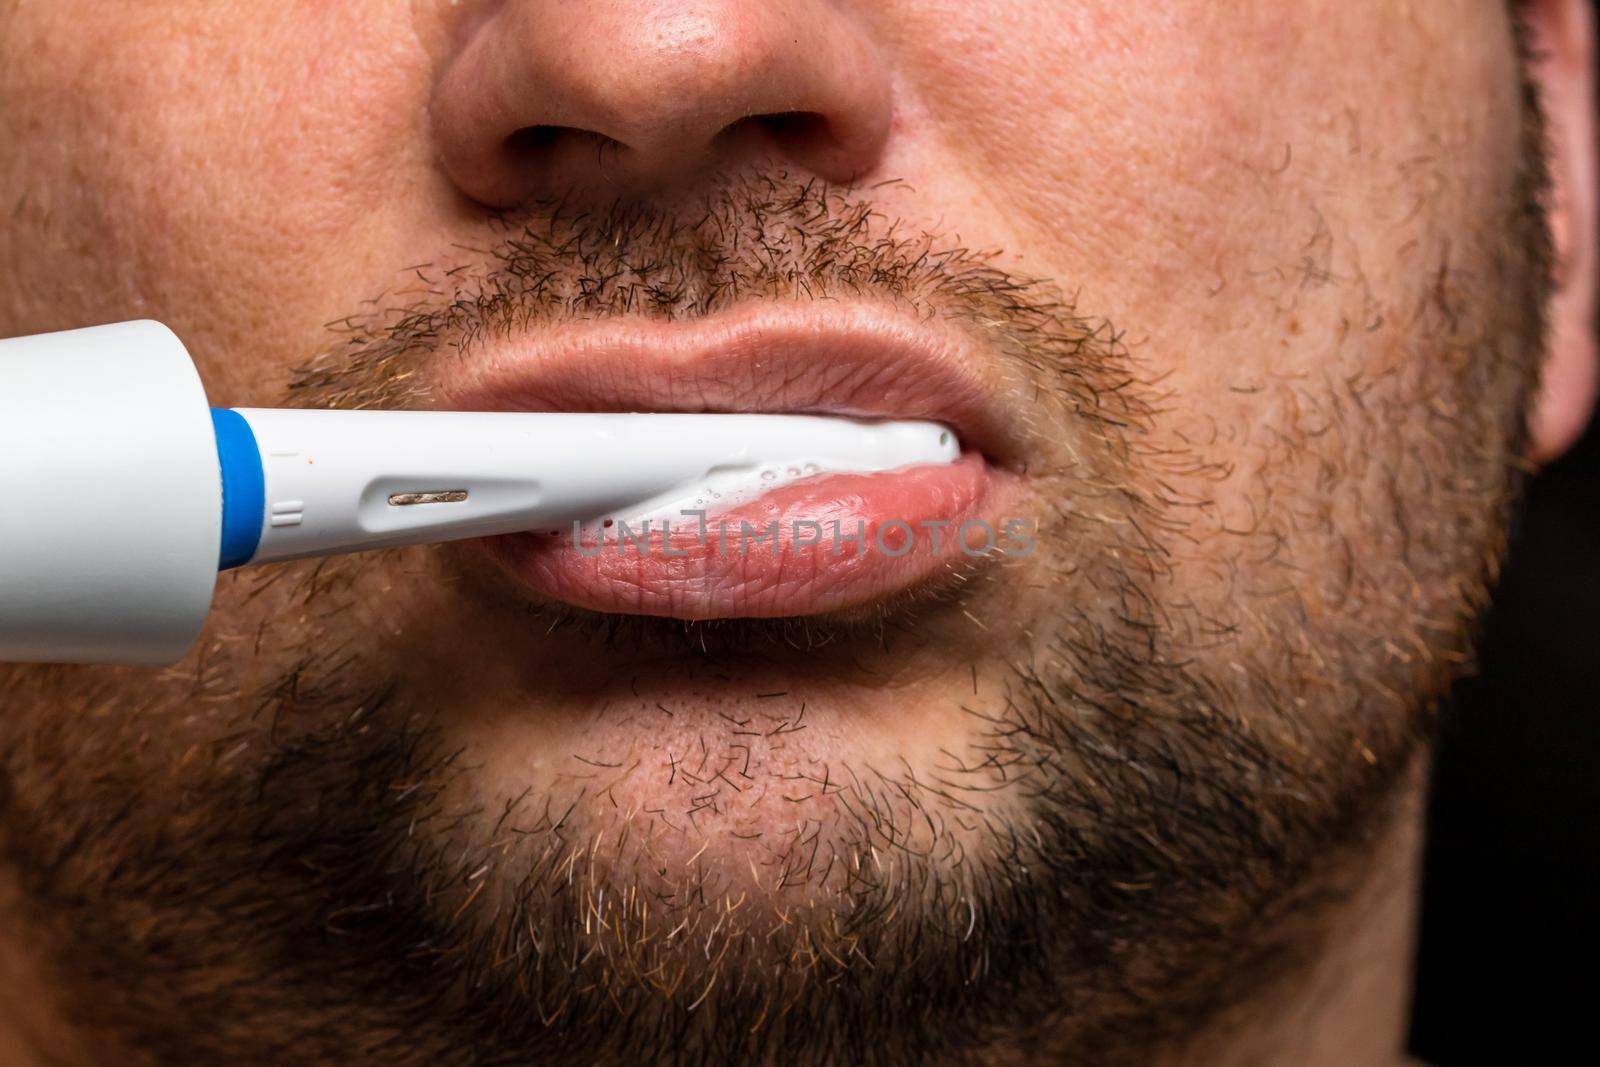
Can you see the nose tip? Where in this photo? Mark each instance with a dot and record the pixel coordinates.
(543, 96)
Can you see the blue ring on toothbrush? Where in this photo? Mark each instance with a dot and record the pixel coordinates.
(244, 487)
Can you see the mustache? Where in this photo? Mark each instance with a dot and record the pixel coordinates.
(761, 237)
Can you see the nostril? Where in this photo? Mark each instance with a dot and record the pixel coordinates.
(793, 123)
(791, 131)
(531, 137)
(532, 145)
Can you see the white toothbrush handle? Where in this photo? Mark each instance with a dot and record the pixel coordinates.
(110, 512)
(344, 481)
(122, 492)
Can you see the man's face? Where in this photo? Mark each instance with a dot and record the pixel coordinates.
(1234, 307)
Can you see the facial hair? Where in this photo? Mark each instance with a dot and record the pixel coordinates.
(1169, 773)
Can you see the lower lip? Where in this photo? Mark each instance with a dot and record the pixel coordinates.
(817, 565)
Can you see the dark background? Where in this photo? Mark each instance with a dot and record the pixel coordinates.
(1508, 961)
(1507, 957)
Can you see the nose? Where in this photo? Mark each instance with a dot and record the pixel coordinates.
(538, 96)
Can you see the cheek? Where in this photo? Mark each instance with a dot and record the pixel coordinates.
(1232, 185)
(1109, 132)
(1260, 197)
(223, 171)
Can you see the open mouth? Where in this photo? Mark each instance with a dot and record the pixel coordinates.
(816, 545)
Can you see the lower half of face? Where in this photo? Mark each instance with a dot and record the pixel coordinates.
(461, 803)
(399, 782)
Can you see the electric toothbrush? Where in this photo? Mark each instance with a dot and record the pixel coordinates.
(122, 492)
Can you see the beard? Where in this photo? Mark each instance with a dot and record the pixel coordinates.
(281, 850)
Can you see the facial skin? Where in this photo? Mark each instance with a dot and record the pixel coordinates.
(1259, 294)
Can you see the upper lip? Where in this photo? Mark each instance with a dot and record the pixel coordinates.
(830, 358)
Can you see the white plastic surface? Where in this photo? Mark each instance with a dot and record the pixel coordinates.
(331, 475)
(110, 503)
